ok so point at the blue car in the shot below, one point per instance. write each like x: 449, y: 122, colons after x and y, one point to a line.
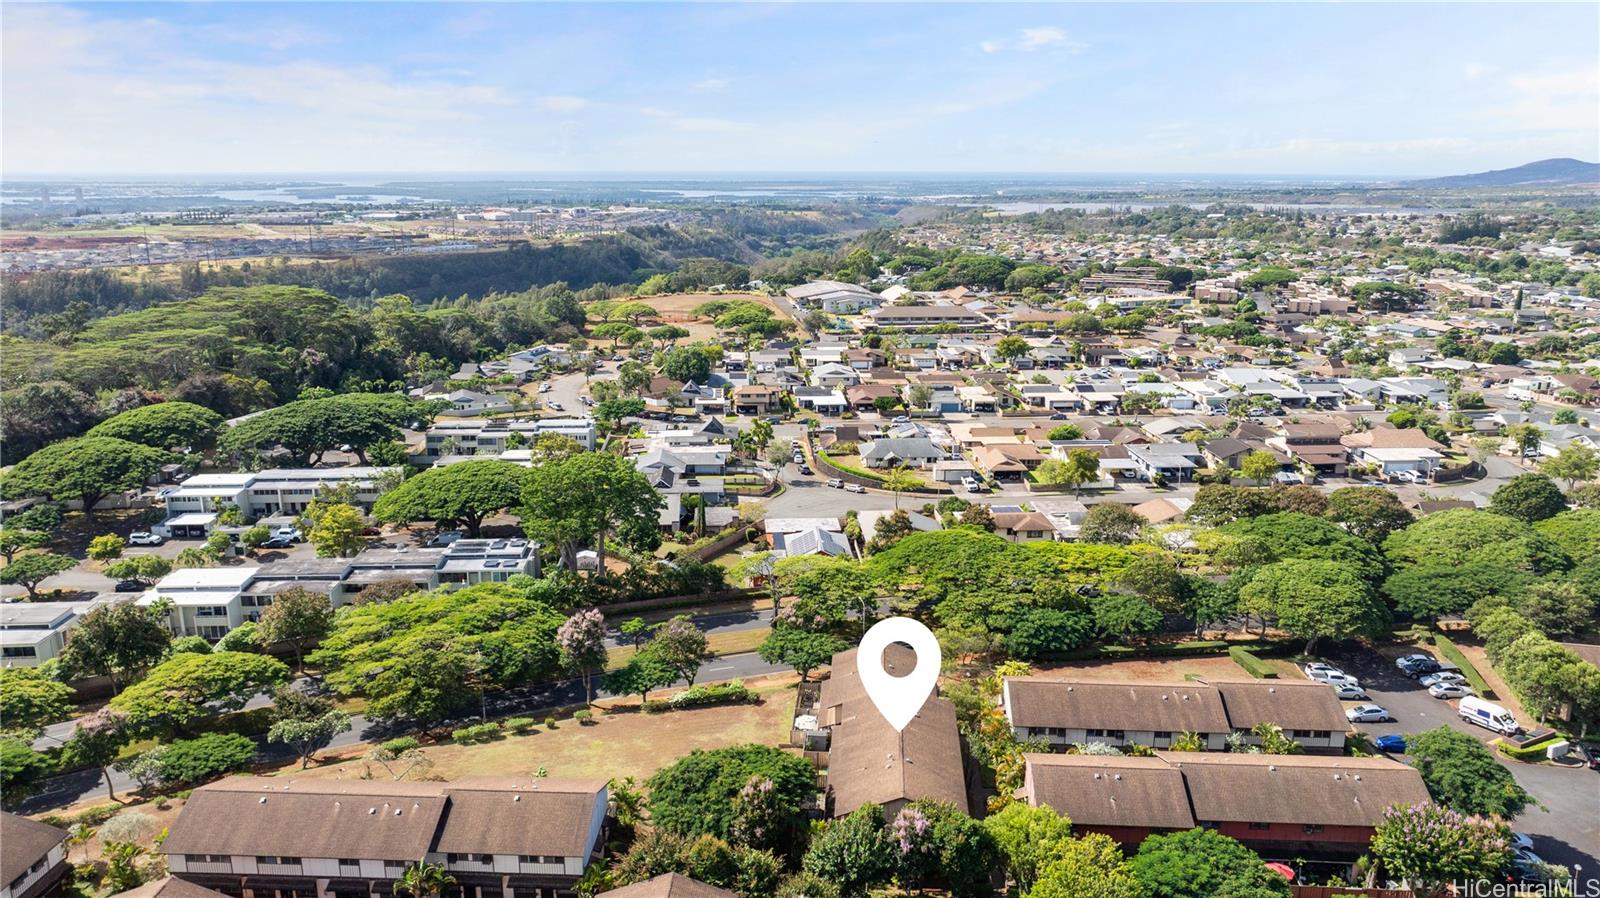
x: 1393, y: 744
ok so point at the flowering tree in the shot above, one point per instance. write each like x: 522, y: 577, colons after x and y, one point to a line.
x: 582, y: 641
x: 910, y: 836
x: 758, y: 818
x: 1431, y: 847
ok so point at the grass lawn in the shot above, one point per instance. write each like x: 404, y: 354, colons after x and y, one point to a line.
x: 621, y: 743
x: 1155, y: 670
x: 736, y: 642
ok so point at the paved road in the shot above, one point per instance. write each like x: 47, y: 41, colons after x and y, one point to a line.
x: 1566, y: 830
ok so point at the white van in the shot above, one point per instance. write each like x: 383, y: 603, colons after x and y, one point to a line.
x: 1487, y: 715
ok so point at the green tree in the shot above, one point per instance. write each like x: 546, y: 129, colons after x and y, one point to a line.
x: 583, y: 500
x: 1091, y: 867
x: 309, y: 428
x: 1010, y: 348
x: 144, y: 568
x: 22, y: 770
x: 1040, y: 632
x: 1463, y: 775
x: 1029, y: 838
x: 31, y: 701
x: 336, y: 531
x: 1118, y: 615
x: 106, y: 547
x: 164, y: 425
x: 307, y: 736
x: 29, y: 571
x: 854, y: 852
x: 1432, y: 848
x: 1065, y: 432
x: 1112, y: 523
x: 462, y: 494
x: 687, y: 363
x: 1575, y: 464
x: 298, y: 617
x: 1528, y: 497
x: 641, y: 674
x: 1464, y: 536
x: 1315, y: 600
x: 191, y: 762
x: 116, y: 640
x: 695, y: 795
x: 86, y: 469
x: 424, y: 880
x: 186, y: 687
x: 1201, y: 863
x: 1259, y: 466
x: 1370, y: 512
x: 802, y: 650
x: 900, y: 480
x: 14, y: 541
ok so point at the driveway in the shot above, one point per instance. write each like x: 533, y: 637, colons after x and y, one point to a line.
x: 1565, y: 830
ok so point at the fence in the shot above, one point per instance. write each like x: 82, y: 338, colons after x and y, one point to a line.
x: 1347, y: 892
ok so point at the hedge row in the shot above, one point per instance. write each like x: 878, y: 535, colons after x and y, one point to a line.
x: 1252, y: 665
x: 1455, y: 656
x: 731, y: 693
x: 1197, y: 648
x: 1534, y: 752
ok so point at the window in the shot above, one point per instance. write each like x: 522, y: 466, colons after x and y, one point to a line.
x: 1164, y: 734
x: 211, y: 611
x: 349, y: 862
x: 1312, y: 828
x: 1094, y: 733
x: 1303, y: 734
x: 542, y: 859
x: 19, y: 651
x: 1115, y: 734
x: 1258, y: 825
x: 281, y: 860
x: 208, y: 858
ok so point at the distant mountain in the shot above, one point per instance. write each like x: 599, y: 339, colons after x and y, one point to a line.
x: 1545, y: 172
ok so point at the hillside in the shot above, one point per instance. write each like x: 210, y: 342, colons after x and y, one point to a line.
x: 1545, y: 172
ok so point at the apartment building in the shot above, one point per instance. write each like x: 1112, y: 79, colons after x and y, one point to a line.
x: 1064, y: 712
x: 33, y: 858
x: 926, y: 316
x: 193, y: 507
x: 32, y: 633
x: 499, y: 837
x: 1281, y: 806
x: 208, y: 602
x: 495, y: 437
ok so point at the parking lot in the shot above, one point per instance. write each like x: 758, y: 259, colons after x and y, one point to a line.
x: 1565, y: 819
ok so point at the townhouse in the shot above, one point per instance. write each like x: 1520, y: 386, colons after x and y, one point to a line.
x: 925, y: 316
x: 208, y: 602
x: 495, y: 437
x: 499, y: 837
x: 33, y: 858
x: 869, y: 761
x: 1065, y: 712
x: 193, y: 507
x: 1284, y: 807
x: 32, y: 633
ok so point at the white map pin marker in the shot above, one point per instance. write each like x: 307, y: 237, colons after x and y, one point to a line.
x: 898, y: 698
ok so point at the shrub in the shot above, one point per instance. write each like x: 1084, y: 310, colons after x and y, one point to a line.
x: 734, y: 692
x: 1454, y: 655
x: 550, y: 723
x: 195, y: 761
x: 400, y: 744
x: 478, y: 732
x: 519, y: 725
x: 1533, y: 752
x: 584, y: 717
x: 1252, y: 665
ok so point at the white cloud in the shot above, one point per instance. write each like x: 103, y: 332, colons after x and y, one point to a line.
x: 1030, y: 40
x: 563, y: 104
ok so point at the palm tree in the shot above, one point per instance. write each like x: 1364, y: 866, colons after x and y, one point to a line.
x: 423, y: 880
x: 898, y: 481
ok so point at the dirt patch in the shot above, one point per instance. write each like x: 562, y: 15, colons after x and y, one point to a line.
x: 1502, y: 692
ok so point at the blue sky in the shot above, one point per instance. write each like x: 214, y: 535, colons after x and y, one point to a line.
x: 1345, y: 89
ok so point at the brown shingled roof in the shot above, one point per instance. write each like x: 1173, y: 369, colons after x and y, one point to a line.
x: 1329, y: 791
x: 518, y: 816
x: 1094, y: 790
x: 869, y: 762
x: 1291, y: 705
x: 23, y: 842
x: 1154, y: 707
x: 169, y: 888
x: 670, y: 885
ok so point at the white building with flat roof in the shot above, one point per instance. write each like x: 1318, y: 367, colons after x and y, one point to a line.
x: 32, y: 633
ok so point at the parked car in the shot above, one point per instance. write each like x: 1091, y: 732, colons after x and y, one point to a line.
x: 1521, y: 841
x: 1392, y: 743
x: 1421, y: 667
x: 805, y: 469
x: 1415, y: 658
x: 556, y: 406
x: 900, y: 419
x: 1334, y: 677
x: 444, y: 538
x: 544, y: 387
x: 836, y: 483
x: 1443, y: 676
x: 145, y: 538
x: 1312, y: 667
x: 1367, y: 714
x: 278, y: 542
x: 854, y: 488
x: 130, y: 586
x: 292, y: 534
x: 1449, y: 690
x: 1348, y: 693
x: 972, y: 485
